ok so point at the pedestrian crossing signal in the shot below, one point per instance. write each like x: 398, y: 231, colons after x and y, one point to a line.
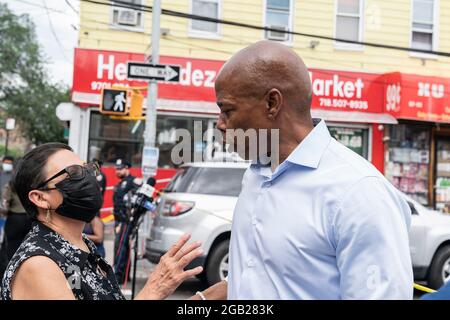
x: 115, y: 102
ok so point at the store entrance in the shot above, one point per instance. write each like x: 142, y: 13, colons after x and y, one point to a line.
x: 442, y: 175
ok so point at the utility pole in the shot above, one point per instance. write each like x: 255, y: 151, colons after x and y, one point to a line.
x: 152, y: 93
x: 6, y: 142
x: 150, y: 129
x: 10, y: 124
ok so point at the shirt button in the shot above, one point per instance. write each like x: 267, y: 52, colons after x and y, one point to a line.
x: 250, y: 263
x: 254, y: 221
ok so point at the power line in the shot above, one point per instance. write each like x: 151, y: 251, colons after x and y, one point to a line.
x: 172, y: 39
x: 42, y: 7
x: 71, y: 6
x: 173, y: 13
x: 54, y: 33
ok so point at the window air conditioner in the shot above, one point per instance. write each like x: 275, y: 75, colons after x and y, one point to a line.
x: 278, y: 35
x: 127, y: 17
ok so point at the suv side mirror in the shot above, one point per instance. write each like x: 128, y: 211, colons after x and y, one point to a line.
x: 413, y: 209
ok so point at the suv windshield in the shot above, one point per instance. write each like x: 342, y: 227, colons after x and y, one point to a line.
x: 216, y: 181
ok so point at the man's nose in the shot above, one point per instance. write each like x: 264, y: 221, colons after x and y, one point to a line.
x: 221, y: 124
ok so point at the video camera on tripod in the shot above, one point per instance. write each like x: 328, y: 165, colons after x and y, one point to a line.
x: 137, y: 202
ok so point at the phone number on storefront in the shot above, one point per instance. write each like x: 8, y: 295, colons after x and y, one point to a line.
x: 343, y: 103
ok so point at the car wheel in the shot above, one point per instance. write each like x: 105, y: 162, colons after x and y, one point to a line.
x: 217, y: 267
x: 440, y: 268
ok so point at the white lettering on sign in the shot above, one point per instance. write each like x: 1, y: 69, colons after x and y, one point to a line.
x: 338, y: 88
x: 102, y: 66
x: 197, y: 77
x: 121, y: 71
x: 430, y: 90
x: 393, y: 97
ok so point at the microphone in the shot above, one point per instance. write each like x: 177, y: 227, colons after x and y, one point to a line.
x: 147, y: 189
x: 143, y: 198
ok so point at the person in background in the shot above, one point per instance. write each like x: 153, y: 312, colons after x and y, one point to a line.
x: 121, y: 247
x: 101, y: 177
x: 94, y: 231
x: 17, y: 224
x: 6, y: 171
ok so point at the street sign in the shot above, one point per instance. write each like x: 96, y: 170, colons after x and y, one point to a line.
x: 114, y: 102
x: 150, y: 158
x: 158, y: 72
x: 10, y: 123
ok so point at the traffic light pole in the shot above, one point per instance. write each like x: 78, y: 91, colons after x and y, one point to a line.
x: 150, y: 118
x: 152, y: 93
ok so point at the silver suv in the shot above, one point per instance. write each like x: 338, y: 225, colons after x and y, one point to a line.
x: 200, y: 200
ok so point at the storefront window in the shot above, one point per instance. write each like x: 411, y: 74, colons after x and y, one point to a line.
x: 443, y: 175
x: 356, y: 139
x: 407, y: 160
x: 111, y: 139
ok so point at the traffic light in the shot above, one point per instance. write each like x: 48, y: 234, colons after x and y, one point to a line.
x: 136, y: 104
x: 115, y: 102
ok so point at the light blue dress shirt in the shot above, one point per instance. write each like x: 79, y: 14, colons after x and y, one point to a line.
x: 325, y: 224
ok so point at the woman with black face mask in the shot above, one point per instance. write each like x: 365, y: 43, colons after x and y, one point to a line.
x: 56, y: 261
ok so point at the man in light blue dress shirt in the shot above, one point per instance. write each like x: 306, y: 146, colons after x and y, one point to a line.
x: 324, y: 223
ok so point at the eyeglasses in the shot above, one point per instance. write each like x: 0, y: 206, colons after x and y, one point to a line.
x: 74, y: 172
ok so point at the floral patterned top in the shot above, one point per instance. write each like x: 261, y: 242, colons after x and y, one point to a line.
x: 81, y: 269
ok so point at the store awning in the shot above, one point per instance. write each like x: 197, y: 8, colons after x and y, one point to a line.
x: 353, y: 116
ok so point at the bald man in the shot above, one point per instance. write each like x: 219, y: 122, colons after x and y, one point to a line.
x: 322, y: 224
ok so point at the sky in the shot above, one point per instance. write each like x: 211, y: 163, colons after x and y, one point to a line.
x: 56, y: 32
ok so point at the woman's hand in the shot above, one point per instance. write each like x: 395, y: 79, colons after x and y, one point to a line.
x: 169, y: 273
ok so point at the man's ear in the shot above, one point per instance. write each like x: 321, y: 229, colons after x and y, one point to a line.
x: 39, y: 199
x: 274, y: 102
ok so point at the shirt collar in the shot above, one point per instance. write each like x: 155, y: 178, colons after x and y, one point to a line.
x: 309, y: 152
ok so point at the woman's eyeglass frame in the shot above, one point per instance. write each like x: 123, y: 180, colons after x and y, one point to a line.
x: 81, y: 170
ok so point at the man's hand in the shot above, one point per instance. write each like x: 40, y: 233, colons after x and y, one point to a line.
x: 170, y: 273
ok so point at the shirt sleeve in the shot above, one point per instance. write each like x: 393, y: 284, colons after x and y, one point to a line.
x: 370, y: 229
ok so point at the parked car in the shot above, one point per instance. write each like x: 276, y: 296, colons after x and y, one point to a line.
x: 429, y: 244
x: 201, y: 198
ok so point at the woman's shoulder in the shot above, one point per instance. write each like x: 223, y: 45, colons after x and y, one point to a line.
x: 33, y: 246
x: 38, y: 277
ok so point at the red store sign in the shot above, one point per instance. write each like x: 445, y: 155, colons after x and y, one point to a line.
x: 401, y: 95
x: 417, y: 97
x: 96, y: 69
x: 347, y: 91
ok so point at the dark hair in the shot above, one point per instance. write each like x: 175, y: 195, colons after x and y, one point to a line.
x: 8, y: 158
x: 99, y: 162
x: 30, y: 172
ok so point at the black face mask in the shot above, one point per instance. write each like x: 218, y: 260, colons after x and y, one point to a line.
x: 82, y: 199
